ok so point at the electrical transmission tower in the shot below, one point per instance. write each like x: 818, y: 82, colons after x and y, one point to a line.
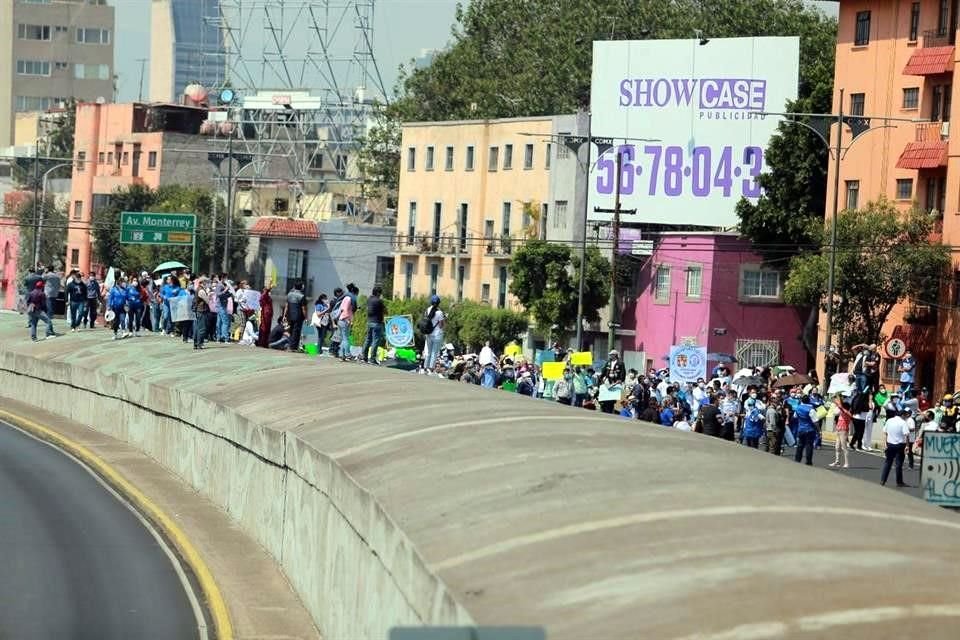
x: 305, y: 80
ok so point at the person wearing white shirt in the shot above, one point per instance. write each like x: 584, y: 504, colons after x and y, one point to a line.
x: 896, y: 433
x: 487, y: 356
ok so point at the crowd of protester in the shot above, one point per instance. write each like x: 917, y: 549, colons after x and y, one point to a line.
x: 762, y: 408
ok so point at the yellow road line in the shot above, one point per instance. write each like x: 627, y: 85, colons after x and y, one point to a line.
x: 211, y: 592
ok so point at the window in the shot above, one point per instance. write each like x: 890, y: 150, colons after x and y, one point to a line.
x: 461, y: 274
x: 528, y: 156
x: 434, y: 275
x: 464, y: 214
x: 448, y: 160
x: 563, y: 150
x: 904, y: 188
x: 296, y: 266
x: 78, y: 209
x: 943, y: 17
x: 126, y: 158
x: 412, y: 223
x: 33, y: 67
x: 485, y: 292
x: 280, y: 205
x: 408, y: 280
x: 936, y: 199
x: 856, y: 103
x: 560, y: 214
x: 110, y: 157
x: 469, y: 162
x: 93, y: 36
x: 74, y: 258
x: 911, y: 98
x: 151, y: 160
x: 888, y: 370
x: 60, y: 66
x: 661, y: 285
x: 940, y: 103
x: 341, y: 165
x: 428, y: 162
x: 412, y: 159
x: 853, y: 194
x: 91, y: 71
x: 759, y: 283
x: 547, y: 155
x: 862, y: 35
x: 956, y: 288
x: 36, y: 103
x: 694, y: 281
x: 437, y: 214
x: 505, y: 219
x: 33, y: 32
x: 101, y: 157
x: 914, y: 21
x: 81, y: 161
x: 502, y: 288
x: 507, y: 157
x: 544, y: 210
x: 494, y: 159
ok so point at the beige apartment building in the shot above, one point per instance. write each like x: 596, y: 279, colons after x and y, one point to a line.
x: 55, y: 50
x: 471, y: 192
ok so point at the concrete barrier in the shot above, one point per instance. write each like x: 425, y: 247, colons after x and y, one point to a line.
x: 392, y: 499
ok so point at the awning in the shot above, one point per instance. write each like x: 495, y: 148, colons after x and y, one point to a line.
x: 929, y: 61
x: 923, y: 155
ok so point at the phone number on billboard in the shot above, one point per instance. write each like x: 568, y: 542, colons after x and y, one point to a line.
x: 670, y: 171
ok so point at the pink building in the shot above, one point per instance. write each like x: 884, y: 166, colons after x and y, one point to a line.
x: 120, y: 145
x: 712, y: 289
x: 9, y: 248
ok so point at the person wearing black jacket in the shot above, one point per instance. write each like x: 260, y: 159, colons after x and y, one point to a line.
x: 375, y: 313
x: 77, y: 297
x: 709, y: 420
x: 614, y: 372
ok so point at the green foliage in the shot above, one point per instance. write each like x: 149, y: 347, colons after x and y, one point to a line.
x: 883, y: 257
x: 62, y: 137
x: 546, y: 282
x: 53, y: 235
x: 468, y: 323
x: 533, y: 57
x: 378, y: 160
x: 169, y: 199
x: 795, y: 186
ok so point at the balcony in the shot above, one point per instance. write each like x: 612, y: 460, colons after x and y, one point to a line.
x: 499, y: 246
x: 929, y: 148
x: 405, y: 243
x: 935, y: 57
x: 919, y: 314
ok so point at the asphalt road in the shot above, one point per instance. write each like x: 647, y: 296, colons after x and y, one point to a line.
x: 865, y: 466
x: 75, y: 562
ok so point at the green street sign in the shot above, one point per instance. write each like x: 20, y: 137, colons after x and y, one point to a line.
x: 141, y: 227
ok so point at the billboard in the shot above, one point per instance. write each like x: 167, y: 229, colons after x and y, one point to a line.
x: 684, y: 119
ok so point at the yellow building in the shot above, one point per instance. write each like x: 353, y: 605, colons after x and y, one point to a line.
x: 470, y: 193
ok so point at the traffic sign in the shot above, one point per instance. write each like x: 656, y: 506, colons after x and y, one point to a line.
x: 895, y: 348
x: 141, y: 227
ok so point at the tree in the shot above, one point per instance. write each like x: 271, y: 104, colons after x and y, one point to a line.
x: 378, y: 159
x: 170, y: 199
x: 546, y: 282
x: 61, y: 139
x: 884, y: 256
x: 533, y: 57
x: 53, y: 235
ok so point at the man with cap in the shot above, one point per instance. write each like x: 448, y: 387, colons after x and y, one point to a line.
x: 613, y: 371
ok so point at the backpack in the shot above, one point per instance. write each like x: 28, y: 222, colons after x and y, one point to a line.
x: 335, y: 312
x: 425, y: 324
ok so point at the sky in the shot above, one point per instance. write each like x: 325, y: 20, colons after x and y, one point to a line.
x: 402, y: 29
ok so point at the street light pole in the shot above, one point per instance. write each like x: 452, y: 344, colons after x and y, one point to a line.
x: 583, y: 240
x: 831, y: 278
x: 859, y: 125
x: 36, y: 204
x: 228, y: 218
x: 43, y: 204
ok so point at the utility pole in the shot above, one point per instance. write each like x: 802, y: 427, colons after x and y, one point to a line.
x: 142, y: 62
x: 616, y: 211
x: 227, y: 218
x: 456, y: 254
x: 36, y: 204
x: 213, y: 232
